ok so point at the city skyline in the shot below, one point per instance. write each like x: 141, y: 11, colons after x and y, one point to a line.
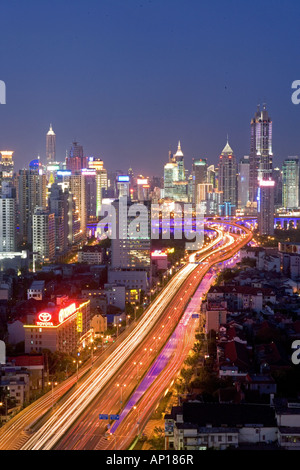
x: 163, y: 75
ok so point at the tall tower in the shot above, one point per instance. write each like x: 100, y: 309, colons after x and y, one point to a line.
x: 228, y: 176
x: 261, y: 153
x: 50, y: 145
x: 31, y: 193
x: 199, y: 174
x: 290, y: 183
x: 243, y: 182
x: 101, y: 180
x: 8, y: 217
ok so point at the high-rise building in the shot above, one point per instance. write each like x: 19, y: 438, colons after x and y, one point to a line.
x: 7, y: 217
x: 130, y: 247
x: 261, y: 153
x: 199, y: 174
x: 170, y: 176
x: 290, y: 183
x: 265, y: 207
x: 243, y: 182
x: 32, y: 193
x: 6, y: 165
x: 61, y: 205
x: 101, y: 180
x: 211, y: 175
x: 90, y: 194
x: 175, y: 182
x: 123, y: 186
x: 228, y: 176
x: 77, y: 189
x: 76, y: 161
x: 277, y: 178
x: 43, y: 235
x: 50, y: 145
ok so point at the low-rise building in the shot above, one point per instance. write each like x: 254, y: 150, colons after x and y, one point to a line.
x: 15, y: 381
x: 196, y: 426
x: 36, y: 290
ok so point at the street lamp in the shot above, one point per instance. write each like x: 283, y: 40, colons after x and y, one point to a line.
x: 121, y: 390
x: 137, y: 364
x: 77, y: 362
x: 53, y: 384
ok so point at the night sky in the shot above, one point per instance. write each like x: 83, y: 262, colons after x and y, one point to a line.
x: 128, y: 78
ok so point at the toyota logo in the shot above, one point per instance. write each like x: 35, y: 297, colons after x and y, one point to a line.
x: 45, y: 316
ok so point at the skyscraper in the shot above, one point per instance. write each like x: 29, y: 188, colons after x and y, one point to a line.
x: 199, y: 174
x: 101, y: 180
x: 260, y: 150
x: 277, y: 177
x: 243, y: 182
x: 50, y: 145
x: 290, y: 183
x: 7, y: 217
x: 175, y: 182
x: 228, y: 176
x: 43, y: 235
x: 265, y: 207
x: 76, y: 161
x: 6, y: 164
x: 32, y: 193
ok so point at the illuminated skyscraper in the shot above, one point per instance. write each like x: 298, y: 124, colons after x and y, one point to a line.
x: 175, y: 182
x: 199, y: 174
x: 76, y: 161
x: 101, y: 180
x: 32, y: 193
x: 50, y: 145
x: 265, y: 207
x: 6, y: 164
x: 7, y: 217
x: 228, y: 176
x: 290, y: 183
x: 261, y: 153
x: 243, y: 182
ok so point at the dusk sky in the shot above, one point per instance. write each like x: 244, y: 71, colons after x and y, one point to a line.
x: 128, y: 78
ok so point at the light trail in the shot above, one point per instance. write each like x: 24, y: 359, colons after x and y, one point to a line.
x: 64, y: 417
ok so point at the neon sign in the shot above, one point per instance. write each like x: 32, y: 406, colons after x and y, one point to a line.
x: 45, y: 316
x: 66, y: 312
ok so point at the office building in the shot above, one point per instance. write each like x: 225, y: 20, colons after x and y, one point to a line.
x: 6, y: 165
x: 199, y: 176
x: 43, y: 235
x: 32, y: 193
x: 76, y: 160
x: 228, y: 176
x: 290, y: 183
x: 277, y: 178
x: 50, y: 145
x: 261, y: 153
x: 7, y: 217
x: 62, y: 327
x: 101, y: 180
x: 243, y: 182
x: 265, y: 207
